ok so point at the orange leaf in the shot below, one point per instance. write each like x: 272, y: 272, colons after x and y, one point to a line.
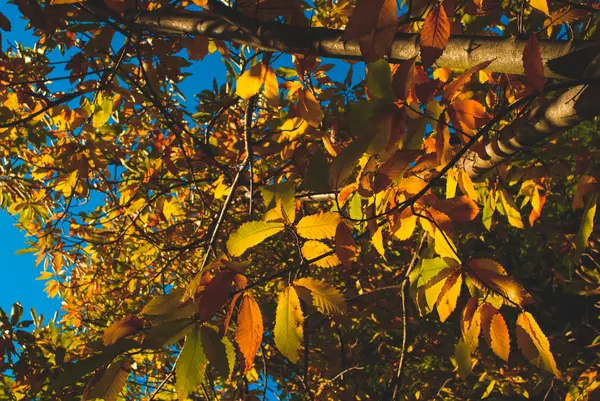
x: 124, y: 327
x: 460, y: 208
x: 456, y: 85
x: 533, y: 64
x: 448, y: 297
x: 249, y: 333
x: 467, y: 113
x: 229, y: 313
x: 498, y: 334
x: 489, y: 275
x: 434, y: 36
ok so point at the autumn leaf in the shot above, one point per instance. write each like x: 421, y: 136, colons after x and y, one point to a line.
x: 379, y: 78
x: 219, y: 351
x: 499, y: 341
x: 345, y: 246
x: 444, y: 245
x: 533, y: 64
x: 112, y: 382
x: 510, y: 208
x: 164, y: 304
x: 434, y: 35
x: 249, y: 83
x: 374, y: 24
x: 489, y: 275
x: 534, y: 345
x: 315, y: 249
x: 318, y: 226
x: 471, y: 323
x: 587, y: 225
x: 464, y: 362
x: 448, y: 297
x: 126, y: 326
x: 309, y: 107
x: 541, y: 5
x: 271, y: 88
x: 402, y: 82
x: 460, y: 209
x: 251, y: 234
x: 190, y: 365
x: 215, y: 295
x: 249, y: 332
x: 289, y: 322
x: 455, y: 86
x: 325, y: 299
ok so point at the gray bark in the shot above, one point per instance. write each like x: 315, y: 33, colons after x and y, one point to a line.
x: 572, y: 107
x: 562, y: 59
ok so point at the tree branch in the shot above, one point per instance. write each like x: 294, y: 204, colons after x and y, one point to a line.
x: 562, y: 59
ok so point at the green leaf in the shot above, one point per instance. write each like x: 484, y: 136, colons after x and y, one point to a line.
x: 379, y: 79
x: 587, y: 225
x: 462, y: 356
x: 112, y: 382
x: 251, y: 234
x: 288, y: 324
x: 164, y: 304
x: 167, y: 333
x: 191, y: 364
x: 219, y: 351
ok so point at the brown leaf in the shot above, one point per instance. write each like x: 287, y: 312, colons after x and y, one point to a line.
x: 249, y: 333
x: 443, y: 148
x: 374, y: 24
x: 489, y: 275
x: 345, y: 246
x: 197, y: 47
x: 215, y: 295
x: 403, y: 78
x: 396, y: 165
x: 533, y: 64
x: 124, y: 327
x: 4, y: 23
x: 434, y: 36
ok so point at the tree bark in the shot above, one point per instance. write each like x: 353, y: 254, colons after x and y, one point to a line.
x: 572, y: 107
x: 562, y: 59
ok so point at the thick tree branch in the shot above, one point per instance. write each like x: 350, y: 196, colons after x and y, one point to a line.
x: 562, y: 59
x: 572, y: 107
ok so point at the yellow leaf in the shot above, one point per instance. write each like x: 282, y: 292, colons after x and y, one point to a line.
x: 407, y: 227
x: 499, y: 339
x: 587, y: 225
x: 444, y: 245
x: 471, y: 324
x: 310, y: 109
x: 377, y: 241
x: 541, y: 5
x: 512, y: 213
x: 534, y: 345
x: 102, y: 110
x: 448, y: 297
x: 249, y: 332
x: 251, y: 234
x: 314, y: 249
x: 318, y: 226
x: 466, y: 185
x: 325, y: 299
x: 249, y: 83
x: 288, y: 324
x: 271, y: 88
x: 164, y: 304
x: 292, y: 128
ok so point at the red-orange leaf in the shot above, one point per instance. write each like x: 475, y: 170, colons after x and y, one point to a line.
x: 533, y: 64
x: 248, y: 335
x: 434, y: 35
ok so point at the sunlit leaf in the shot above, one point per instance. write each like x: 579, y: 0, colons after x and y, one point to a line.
x: 318, y: 226
x: 112, y: 382
x: 289, y: 321
x: 249, y: 332
x: 191, y: 364
x: 315, y: 249
x: 325, y: 299
x: 251, y: 234
x: 534, y: 345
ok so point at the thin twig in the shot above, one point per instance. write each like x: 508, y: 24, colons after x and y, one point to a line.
x: 396, y: 381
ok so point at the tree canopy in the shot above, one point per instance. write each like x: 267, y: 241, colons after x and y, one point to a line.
x: 382, y: 200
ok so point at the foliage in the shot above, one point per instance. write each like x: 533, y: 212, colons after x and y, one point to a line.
x: 291, y: 230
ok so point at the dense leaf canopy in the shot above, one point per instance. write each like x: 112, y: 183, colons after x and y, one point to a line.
x: 381, y: 200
